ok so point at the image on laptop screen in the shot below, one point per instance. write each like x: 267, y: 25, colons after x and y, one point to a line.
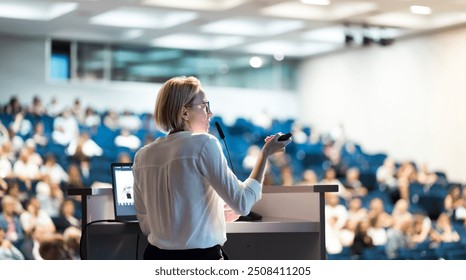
x: 122, y: 188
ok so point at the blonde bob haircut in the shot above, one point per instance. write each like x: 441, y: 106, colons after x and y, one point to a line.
x: 175, y: 94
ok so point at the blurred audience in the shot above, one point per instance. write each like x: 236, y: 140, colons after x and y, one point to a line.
x: 375, y: 205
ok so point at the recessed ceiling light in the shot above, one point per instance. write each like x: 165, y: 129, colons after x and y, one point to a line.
x: 206, y: 5
x: 197, y: 42
x: 316, y: 2
x: 35, y: 10
x: 252, y: 26
x: 142, y: 18
x: 421, y: 10
x: 255, y: 62
x: 279, y: 56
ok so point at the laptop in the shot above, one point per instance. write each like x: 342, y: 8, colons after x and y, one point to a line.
x: 122, y: 189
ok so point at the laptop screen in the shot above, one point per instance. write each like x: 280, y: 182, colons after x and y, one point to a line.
x: 122, y: 187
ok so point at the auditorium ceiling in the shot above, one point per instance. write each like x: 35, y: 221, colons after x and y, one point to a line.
x: 290, y: 28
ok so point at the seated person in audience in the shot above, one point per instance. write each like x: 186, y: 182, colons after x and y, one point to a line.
x: 335, y: 220
x: 287, y: 178
x: 39, y: 136
x: 3, y: 187
x: 112, y: 120
x: 50, y: 196
x: 21, y: 126
x: 348, y: 232
x: 148, y: 123
x: 36, y: 109
x: 72, y: 236
x: 53, y: 247
x: 31, y: 246
x: 425, y: 176
x: 333, y: 209
x: 14, y: 145
x: 401, y: 191
x: 130, y: 121
x: 53, y: 107
x: 25, y: 169
x: 400, y: 211
x: 356, y: 212
x: 362, y: 240
x: 422, y: 226
x: 443, y: 231
x: 399, y: 237
x: 407, y: 170
x: 4, y: 134
x: 251, y: 156
x: 13, y: 107
x: 77, y: 110
x: 8, y: 151
x: 460, y: 211
x: 17, y: 196
x: 386, y: 175
x: 57, y: 174
x: 30, y: 145
x: 65, y: 128
x: 10, y: 221
x: 83, y: 148
x: 91, y: 118
x: 35, y: 217
x: 66, y: 218
x: 330, y: 178
x: 377, y: 232
x: 453, y: 200
x: 352, y: 183
x: 75, y: 179
x: 376, y: 210
x: 277, y: 163
x: 333, y: 243
x: 7, y: 250
x: 309, y: 178
x: 127, y: 140
x: 6, y: 168
x: 124, y: 158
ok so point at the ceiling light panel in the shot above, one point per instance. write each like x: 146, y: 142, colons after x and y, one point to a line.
x: 316, y: 2
x: 339, y: 10
x: 420, y: 10
x: 196, y: 42
x: 206, y: 5
x: 252, y: 26
x: 142, y: 18
x: 35, y: 10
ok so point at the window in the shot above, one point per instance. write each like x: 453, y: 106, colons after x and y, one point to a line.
x: 99, y: 62
x: 60, y: 61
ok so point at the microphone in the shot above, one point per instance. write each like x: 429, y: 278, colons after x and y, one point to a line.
x: 222, y: 136
x: 220, y: 131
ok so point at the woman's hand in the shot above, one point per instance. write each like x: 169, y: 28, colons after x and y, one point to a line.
x: 272, y: 145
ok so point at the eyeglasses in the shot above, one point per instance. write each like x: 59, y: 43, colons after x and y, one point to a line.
x: 205, y: 104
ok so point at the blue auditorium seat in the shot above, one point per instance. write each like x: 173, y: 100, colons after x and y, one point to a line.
x: 345, y: 254
x: 376, y: 253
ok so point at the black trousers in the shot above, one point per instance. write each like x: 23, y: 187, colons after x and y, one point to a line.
x: 213, y: 253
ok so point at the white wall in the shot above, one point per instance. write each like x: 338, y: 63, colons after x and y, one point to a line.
x: 22, y: 73
x: 406, y: 100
